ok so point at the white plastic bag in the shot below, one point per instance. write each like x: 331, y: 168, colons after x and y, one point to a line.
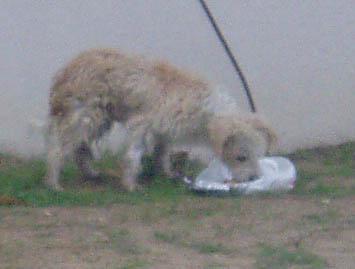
x: 277, y: 174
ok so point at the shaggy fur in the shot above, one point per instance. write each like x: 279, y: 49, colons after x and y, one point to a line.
x: 159, y: 105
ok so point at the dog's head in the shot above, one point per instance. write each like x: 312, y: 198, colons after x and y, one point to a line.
x: 240, y: 143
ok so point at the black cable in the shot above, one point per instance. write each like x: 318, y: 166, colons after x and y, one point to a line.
x: 230, y: 55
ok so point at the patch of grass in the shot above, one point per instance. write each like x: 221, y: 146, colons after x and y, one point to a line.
x: 279, y: 257
x: 182, y: 240
x: 149, y: 213
x: 8, y: 200
x: 325, y: 189
x: 196, y: 208
x: 311, y: 183
x: 344, y: 153
x: 210, y: 248
x: 322, y: 219
x: 22, y: 182
x: 122, y: 241
x: 135, y: 264
x: 316, y: 166
x: 11, y: 251
x: 215, y: 266
x: 165, y: 237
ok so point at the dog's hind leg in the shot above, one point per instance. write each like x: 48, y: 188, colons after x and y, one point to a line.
x: 83, y: 156
x: 70, y: 136
x: 91, y: 129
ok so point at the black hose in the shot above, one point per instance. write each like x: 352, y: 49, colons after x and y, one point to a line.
x: 230, y: 55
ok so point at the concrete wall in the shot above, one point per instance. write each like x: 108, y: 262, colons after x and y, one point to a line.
x: 298, y: 58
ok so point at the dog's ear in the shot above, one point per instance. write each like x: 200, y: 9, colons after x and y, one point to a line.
x: 268, y: 133
x: 218, y: 130
x: 236, y: 146
x: 228, y: 148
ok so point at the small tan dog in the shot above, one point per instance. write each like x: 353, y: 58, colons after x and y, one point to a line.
x: 159, y: 105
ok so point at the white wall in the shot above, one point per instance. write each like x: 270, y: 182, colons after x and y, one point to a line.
x: 298, y: 58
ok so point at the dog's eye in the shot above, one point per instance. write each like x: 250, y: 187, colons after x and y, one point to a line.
x: 241, y: 158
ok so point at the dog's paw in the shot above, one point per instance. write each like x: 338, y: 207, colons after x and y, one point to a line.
x: 54, y: 186
x: 95, y: 177
x: 129, y: 184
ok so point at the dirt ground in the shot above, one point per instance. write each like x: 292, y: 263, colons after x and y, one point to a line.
x: 195, y: 233
x: 166, y: 226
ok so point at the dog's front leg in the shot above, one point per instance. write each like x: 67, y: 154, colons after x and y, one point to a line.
x: 133, y: 164
x: 55, y: 160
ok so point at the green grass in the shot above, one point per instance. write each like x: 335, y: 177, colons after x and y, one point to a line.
x: 186, y: 240
x: 135, y: 264
x: 343, y: 153
x: 322, y: 220
x: 279, y: 257
x: 122, y: 241
x: 215, y: 266
x: 165, y: 237
x: 21, y: 181
x: 326, y: 171
x: 11, y: 251
x: 211, y: 248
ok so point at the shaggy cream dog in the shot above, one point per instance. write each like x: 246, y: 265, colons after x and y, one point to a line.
x: 160, y: 105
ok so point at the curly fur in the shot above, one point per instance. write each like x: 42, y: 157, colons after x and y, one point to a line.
x: 158, y: 104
